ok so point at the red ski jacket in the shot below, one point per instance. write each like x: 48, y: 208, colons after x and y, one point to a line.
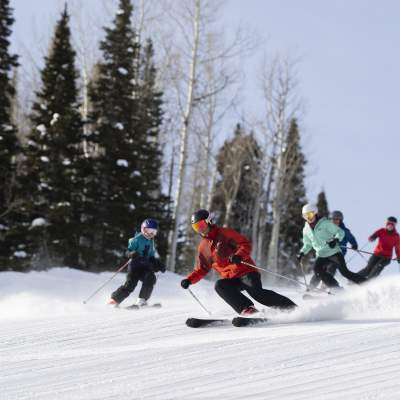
x: 214, y: 251
x: 387, y: 241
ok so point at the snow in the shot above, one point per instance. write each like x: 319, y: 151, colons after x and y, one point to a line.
x: 38, y: 222
x: 122, y: 71
x: 20, y: 254
x: 119, y: 126
x: 44, y: 159
x: 122, y: 163
x: 42, y: 129
x: 55, y: 347
x: 55, y: 118
x: 66, y: 162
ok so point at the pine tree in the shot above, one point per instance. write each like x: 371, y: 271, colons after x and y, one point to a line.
x: 295, y: 197
x: 147, y: 131
x: 9, y: 145
x: 118, y: 186
x: 322, y: 205
x: 238, y: 164
x: 54, y: 158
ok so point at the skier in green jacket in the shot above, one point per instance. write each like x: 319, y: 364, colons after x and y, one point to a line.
x: 324, y: 237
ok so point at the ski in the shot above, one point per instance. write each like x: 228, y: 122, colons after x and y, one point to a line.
x: 202, y: 322
x: 248, y: 321
x: 137, y: 307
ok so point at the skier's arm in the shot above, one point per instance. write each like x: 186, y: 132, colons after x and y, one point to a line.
x: 374, y: 236
x: 307, y: 245
x: 352, y: 240
x: 200, y: 270
x: 338, y: 233
x: 397, y: 249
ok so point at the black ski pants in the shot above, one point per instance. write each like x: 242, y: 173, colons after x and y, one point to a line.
x: 374, y: 267
x: 135, y: 275
x: 316, y: 279
x: 320, y: 269
x: 230, y: 290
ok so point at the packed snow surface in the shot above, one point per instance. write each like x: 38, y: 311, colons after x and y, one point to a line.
x: 54, y: 347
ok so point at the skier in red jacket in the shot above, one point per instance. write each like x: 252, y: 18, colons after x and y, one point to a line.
x: 224, y: 250
x: 389, y: 239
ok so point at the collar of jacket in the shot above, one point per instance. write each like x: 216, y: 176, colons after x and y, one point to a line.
x: 315, y: 223
x: 213, y: 232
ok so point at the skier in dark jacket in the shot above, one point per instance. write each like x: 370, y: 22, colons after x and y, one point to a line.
x: 337, y: 218
x: 388, y: 239
x: 224, y: 249
x: 142, y: 265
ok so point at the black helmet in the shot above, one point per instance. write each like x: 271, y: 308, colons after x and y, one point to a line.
x: 392, y: 219
x: 200, y: 215
x: 337, y: 215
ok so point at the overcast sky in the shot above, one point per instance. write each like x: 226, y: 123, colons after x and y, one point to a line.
x: 349, y: 78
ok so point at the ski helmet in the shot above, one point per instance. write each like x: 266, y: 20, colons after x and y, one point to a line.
x: 149, y: 228
x: 392, y: 219
x: 309, y: 212
x: 337, y: 215
x: 200, y: 221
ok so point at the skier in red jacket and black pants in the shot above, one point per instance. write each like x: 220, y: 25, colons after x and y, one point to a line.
x: 389, y: 239
x: 224, y: 250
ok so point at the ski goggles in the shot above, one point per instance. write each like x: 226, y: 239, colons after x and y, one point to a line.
x: 200, y: 226
x: 391, y: 223
x: 150, y: 232
x: 308, y: 216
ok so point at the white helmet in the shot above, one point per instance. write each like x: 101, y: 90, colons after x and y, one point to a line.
x: 309, y: 208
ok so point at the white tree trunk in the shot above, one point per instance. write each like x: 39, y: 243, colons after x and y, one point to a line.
x: 184, y: 135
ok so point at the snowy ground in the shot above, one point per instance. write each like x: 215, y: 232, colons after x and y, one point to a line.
x: 54, y: 347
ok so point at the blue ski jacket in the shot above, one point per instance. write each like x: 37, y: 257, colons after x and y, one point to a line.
x: 348, y: 238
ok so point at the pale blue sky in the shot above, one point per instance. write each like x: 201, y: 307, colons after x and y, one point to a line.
x: 349, y: 78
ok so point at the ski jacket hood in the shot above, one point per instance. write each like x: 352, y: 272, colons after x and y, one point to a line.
x: 214, y: 251
x: 317, y: 238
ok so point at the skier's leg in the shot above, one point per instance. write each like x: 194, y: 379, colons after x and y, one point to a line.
x: 149, y: 280
x: 378, y: 268
x: 372, y: 262
x: 229, y: 290
x: 314, y: 282
x: 320, y: 270
x: 331, y: 268
x: 251, y: 282
x: 338, y: 258
x: 128, y: 287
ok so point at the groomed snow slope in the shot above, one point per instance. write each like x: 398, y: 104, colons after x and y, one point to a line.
x: 54, y: 347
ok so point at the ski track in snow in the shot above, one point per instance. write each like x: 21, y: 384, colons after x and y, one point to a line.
x: 54, y: 347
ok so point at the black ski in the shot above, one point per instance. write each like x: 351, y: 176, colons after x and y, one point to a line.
x: 201, y: 322
x: 248, y: 321
x: 137, y: 307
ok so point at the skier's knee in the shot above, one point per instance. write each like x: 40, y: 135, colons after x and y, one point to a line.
x: 220, y: 285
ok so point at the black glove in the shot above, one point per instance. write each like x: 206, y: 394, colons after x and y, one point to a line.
x: 235, y: 259
x: 299, y: 256
x: 354, y: 246
x: 398, y: 260
x: 332, y: 243
x: 185, y: 283
x: 157, y: 265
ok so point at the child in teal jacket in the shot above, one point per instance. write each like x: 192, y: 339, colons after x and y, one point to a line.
x: 142, y: 265
x: 324, y: 237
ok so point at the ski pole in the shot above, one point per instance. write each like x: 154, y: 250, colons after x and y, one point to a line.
x: 199, y: 302
x: 304, y: 276
x: 105, y: 283
x: 285, y: 277
x: 366, y: 252
x: 362, y: 247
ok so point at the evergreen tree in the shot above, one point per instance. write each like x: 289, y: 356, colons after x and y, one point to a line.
x: 118, y: 186
x: 9, y: 145
x: 238, y: 164
x: 322, y: 205
x: 292, y: 221
x: 54, y: 158
x: 147, y: 131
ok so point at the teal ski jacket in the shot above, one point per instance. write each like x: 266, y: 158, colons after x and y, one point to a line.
x: 317, y: 238
x: 142, y: 246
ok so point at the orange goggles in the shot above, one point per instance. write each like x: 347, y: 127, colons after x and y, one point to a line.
x: 309, y: 215
x: 200, y: 226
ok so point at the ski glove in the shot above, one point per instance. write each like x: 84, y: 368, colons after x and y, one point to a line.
x: 299, y: 256
x: 235, y: 259
x: 332, y: 243
x: 354, y: 247
x: 157, y: 265
x: 398, y: 260
x: 185, y: 283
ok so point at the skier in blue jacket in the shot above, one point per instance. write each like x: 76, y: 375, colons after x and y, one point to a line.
x: 142, y: 265
x: 337, y: 218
